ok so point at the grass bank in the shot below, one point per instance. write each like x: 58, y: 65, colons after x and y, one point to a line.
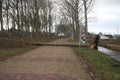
x: 7, y: 53
x: 113, y: 44
x: 10, y: 48
x: 102, y: 65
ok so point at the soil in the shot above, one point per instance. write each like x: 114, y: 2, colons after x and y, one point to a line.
x: 112, y: 46
x: 8, y: 43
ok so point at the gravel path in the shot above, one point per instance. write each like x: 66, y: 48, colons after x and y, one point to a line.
x: 45, y: 63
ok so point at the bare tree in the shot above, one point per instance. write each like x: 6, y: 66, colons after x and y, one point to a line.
x: 72, y: 10
x: 50, y: 18
x: 26, y: 16
x: 64, y: 28
x: 87, y: 7
x: 6, y: 9
x: 76, y: 11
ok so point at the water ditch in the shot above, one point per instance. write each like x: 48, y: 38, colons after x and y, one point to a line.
x: 113, y: 54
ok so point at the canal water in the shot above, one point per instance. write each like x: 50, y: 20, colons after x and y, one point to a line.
x: 114, y: 54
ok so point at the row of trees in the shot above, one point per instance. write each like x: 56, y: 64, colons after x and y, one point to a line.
x: 31, y: 16
x: 76, y: 11
x: 36, y: 16
x: 64, y: 28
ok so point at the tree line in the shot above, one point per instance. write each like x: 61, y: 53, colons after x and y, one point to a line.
x: 30, y: 16
x: 35, y: 17
x: 76, y: 12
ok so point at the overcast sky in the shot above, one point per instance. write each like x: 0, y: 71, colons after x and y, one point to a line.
x: 107, y: 13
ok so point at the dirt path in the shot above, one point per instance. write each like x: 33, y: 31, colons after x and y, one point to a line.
x: 45, y: 63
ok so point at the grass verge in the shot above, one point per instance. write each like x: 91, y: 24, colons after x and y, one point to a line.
x: 102, y: 65
x: 7, y: 53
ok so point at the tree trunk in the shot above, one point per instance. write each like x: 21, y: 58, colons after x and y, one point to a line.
x: 86, y: 21
x: 1, y: 18
x: 18, y: 19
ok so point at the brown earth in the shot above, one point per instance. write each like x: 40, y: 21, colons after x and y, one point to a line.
x: 112, y: 46
x: 8, y: 43
x: 45, y: 63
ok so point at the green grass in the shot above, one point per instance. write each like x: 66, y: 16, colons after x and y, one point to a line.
x: 72, y: 41
x: 4, y: 54
x: 102, y: 65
